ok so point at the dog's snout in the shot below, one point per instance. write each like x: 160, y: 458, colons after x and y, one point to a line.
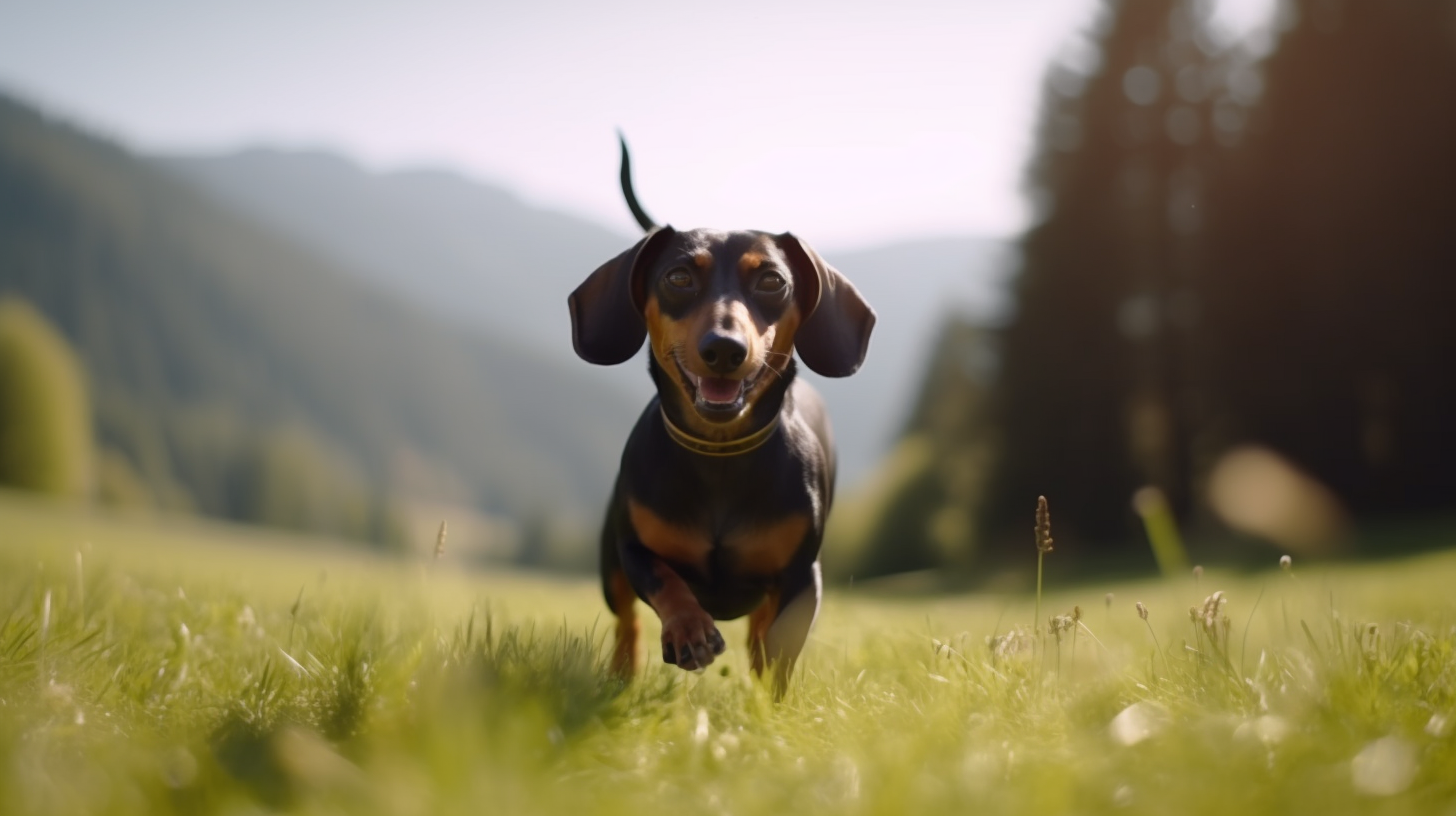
x: 723, y: 353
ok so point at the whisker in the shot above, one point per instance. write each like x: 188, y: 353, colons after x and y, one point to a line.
x: 777, y: 371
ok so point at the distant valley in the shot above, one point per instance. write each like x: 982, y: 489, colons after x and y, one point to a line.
x: 238, y: 372
x: 482, y: 257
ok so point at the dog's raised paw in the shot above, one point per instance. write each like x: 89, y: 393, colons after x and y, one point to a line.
x: 691, y: 641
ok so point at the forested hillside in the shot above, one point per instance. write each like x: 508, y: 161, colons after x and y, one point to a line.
x: 238, y: 374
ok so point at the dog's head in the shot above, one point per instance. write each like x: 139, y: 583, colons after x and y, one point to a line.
x: 725, y: 311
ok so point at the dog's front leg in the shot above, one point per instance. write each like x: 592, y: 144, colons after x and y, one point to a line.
x: 690, y: 638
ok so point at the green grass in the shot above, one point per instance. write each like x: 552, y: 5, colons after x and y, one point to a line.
x: 189, y: 668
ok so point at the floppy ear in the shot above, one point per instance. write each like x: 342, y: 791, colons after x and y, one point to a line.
x: 835, y: 333
x: 606, y: 309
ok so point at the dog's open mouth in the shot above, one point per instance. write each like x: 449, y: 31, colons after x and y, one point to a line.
x: 719, y: 390
x: 719, y: 398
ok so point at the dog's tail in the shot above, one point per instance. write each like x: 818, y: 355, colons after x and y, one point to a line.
x: 640, y: 214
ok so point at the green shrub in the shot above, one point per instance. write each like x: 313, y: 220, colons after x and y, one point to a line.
x: 45, y: 414
x: 119, y: 485
x: 295, y: 479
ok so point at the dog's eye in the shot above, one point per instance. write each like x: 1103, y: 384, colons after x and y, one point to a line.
x: 771, y: 282
x: 679, y: 279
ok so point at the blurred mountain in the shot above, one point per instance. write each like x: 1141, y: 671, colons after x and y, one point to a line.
x: 479, y: 254
x: 229, y: 362
x: 471, y: 251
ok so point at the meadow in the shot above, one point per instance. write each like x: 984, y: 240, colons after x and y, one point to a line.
x: 159, y: 666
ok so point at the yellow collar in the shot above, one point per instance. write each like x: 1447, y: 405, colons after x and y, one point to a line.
x: 732, y: 447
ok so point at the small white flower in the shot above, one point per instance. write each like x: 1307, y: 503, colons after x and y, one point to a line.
x: 1136, y: 723
x: 1384, y: 767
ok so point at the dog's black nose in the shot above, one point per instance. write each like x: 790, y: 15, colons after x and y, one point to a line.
x: 723, y: 353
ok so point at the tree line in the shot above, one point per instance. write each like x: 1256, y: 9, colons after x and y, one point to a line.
x: 1231, y: 249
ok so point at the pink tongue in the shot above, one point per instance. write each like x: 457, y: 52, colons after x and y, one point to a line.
x: 719, y: 389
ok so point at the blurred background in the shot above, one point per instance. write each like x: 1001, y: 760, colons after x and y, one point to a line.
x: 306, y: 267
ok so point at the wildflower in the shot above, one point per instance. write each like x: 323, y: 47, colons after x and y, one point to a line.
x: 1286, y: 563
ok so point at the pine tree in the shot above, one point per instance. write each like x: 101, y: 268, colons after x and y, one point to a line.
x: 931, y: 486
x: 1336, y: 286
x: 1100, y: 392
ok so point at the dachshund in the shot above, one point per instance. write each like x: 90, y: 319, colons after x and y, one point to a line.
x: 727, y: 478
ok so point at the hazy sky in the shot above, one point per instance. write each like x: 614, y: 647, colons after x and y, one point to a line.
x: 849, y: 122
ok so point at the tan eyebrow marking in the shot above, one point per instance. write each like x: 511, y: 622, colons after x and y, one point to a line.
x: 703, y: 260
x: 750, y: 261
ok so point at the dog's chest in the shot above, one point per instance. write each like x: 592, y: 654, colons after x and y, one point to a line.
x: 747, y: 541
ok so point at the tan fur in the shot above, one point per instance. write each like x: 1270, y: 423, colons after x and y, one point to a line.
x: 624, y: 606
x: 766, y: 550
x: 758, y: 623
x: 668, y: 540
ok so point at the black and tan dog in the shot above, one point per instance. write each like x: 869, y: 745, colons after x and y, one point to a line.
x: 728, y: 476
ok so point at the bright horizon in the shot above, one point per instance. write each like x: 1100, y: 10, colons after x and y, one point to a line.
x: 849, y: 125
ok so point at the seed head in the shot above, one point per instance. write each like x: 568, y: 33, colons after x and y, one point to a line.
x: 1211, y: 616
x: 440, y: 542
x: 1108, y: 600
x: 1059, y: 624
x: 1142, y: 610
x: 1011, y: 643
x: 1076, y: 614
x: 1043, y: 526
x: 1286, y: 563
x: 1198, y: 573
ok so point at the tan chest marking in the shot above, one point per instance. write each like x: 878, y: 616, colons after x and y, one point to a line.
x: 670, y: 541
x: 767, y: 549
x: 762, y: 550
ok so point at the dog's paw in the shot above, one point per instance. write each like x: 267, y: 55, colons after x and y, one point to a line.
x: 691, y: 641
